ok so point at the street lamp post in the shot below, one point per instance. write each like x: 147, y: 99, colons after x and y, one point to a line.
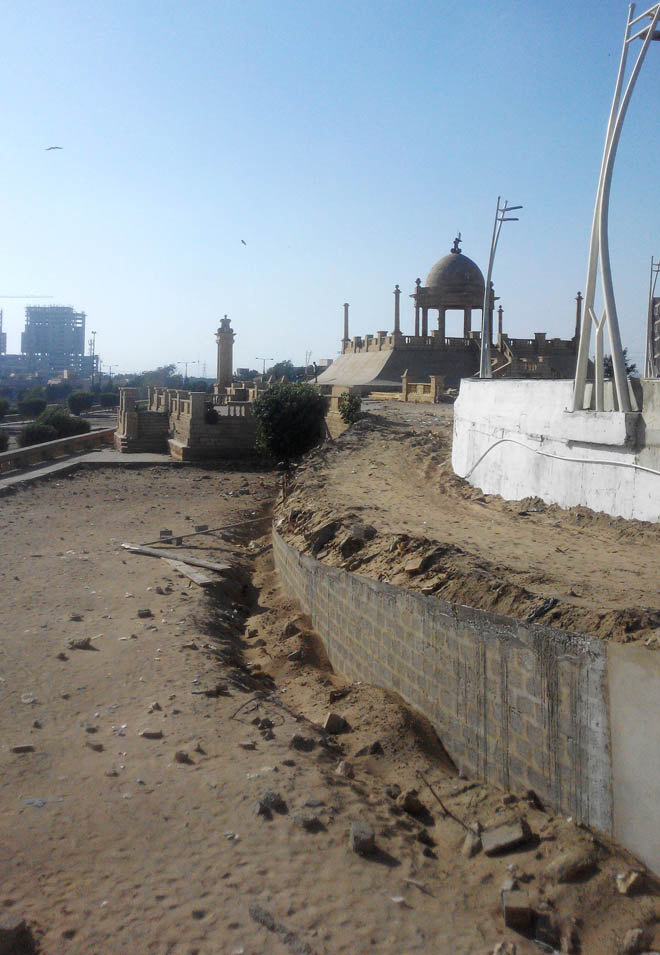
x: 264, y: 360
x: 485, y: 368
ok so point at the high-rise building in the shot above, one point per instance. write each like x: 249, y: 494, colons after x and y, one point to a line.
x: 56, y: 333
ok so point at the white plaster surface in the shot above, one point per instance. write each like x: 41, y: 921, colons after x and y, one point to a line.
x: 634, y: 688
x: 518, y: 439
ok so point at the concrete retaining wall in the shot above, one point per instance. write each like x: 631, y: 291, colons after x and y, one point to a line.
x: 520, y: 706
x: 572, y: 717
x: 517, y: 438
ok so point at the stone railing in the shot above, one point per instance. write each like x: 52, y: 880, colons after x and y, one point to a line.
x: 422, y: 391
x: 62, y: 447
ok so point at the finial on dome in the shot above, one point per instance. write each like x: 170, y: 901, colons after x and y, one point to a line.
x: 457, y: 244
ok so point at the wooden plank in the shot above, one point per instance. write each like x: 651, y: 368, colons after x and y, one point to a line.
x: 198, y: 578
x: 183, y: 558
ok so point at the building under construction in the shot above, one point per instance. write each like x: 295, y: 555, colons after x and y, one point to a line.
x: 53, y: 343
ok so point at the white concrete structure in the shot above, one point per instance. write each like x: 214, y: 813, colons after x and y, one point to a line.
x: 518, y: 438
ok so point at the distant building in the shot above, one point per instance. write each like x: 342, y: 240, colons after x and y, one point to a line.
x: 53, y: 343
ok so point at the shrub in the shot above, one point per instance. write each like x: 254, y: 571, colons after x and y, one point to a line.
x: 64, y: 424
x: 289, y: 420
x: 4, y: 441
x: 349, y: 407
x: 4, y: 407
x: 34, y: 433
x: 211, y: 416
x: 79, y: 401
x: 31, y: 406
x: 109, y: 399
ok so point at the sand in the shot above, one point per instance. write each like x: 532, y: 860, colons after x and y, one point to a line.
x: 113, y: 843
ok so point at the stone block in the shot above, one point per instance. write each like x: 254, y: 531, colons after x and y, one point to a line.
x: 505, y: 838
x: 517, y: 912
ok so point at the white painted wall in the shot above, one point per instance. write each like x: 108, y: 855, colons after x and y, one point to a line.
x: 517, y: 438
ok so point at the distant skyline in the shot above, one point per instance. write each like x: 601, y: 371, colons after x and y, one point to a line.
x: 271, y: 161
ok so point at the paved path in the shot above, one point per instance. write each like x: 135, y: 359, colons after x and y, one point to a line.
x: 104, y: 458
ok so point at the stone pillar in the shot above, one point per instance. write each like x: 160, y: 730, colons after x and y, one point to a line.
x: 225, y: 336
x: 467, y: 322
x: 499, y: 326
x: 418, y: 283
x: 397, y: 323
x: 346, y: 336
x: 442, y: 316
x: 425, y: 322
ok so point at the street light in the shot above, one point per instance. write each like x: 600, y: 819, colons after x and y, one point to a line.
x: 485, y: 368
x: 264, y: 360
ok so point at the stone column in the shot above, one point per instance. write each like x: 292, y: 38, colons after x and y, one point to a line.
x: 346, y: 336
x: 225, y: 336
x: 467, y: 322
x: 442, y: 316
x: 418, y: 283
x: 425, y: 322
x: 397, y: 322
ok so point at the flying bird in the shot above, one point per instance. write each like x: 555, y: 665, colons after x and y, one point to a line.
x: 48, y: 148
x: 243, y: 241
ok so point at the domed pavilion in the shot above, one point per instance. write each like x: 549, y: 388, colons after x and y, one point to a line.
x: 454, y: 283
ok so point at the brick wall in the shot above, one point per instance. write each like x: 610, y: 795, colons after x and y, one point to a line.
x: 518, y: 705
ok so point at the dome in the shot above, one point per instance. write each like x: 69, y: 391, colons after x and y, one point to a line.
x: 454, y: 275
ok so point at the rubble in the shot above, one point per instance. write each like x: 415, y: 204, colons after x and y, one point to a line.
x: 506, y: 837
x: 362, y: 838
x: 335, y: 724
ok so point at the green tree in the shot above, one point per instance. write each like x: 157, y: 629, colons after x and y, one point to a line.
x: 34, y: 433
x: 4, y: 407
x: 108, y: 399
x: 31, y: 406
x: 63, y: 423
x: 290, y: 420
x: 349, y: 407
x: 284, y: 369
x: 630, y: 366
x: 79, y: 401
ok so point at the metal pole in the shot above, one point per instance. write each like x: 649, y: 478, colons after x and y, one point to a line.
x: 618, y: 364
x: 485, y: 368
x: 592, y: 267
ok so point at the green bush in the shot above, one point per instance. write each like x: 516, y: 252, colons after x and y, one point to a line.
x: 4, y: 441
x: 64, y: 423
x: 4, y: 407
x: 31, y: 406
x: 349, y: 407
x: 34, y: 433
x: 289, y: 420
x: 79, y: 401
x: 109, y: 399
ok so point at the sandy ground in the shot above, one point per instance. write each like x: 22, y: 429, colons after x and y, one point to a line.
x: 112, y: 843
x: 573, y: 569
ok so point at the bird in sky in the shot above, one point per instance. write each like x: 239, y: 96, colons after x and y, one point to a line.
x: 48, y: 148
x: 243, y: 241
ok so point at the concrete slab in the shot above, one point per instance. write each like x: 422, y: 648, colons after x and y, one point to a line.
x: 104, y: 458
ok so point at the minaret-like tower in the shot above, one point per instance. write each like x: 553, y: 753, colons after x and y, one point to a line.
x: 225, y: 336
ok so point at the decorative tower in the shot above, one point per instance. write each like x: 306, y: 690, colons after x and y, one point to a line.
x: 225, y: 336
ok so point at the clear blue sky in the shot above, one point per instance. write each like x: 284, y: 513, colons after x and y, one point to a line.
x: 345, y: 142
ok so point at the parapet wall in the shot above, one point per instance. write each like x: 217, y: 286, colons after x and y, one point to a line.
x: 518, y: 439
x: 521, y: 706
